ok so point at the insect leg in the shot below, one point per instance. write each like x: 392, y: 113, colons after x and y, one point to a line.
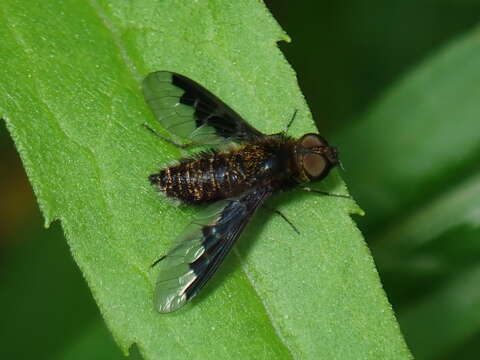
x: 158, y: 260
x: 291, y: 121
x: 306, y: 188
x: 278, y: 212
x: 170, y: 141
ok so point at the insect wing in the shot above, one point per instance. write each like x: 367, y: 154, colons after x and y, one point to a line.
x: 188, y: 110
x: 189, y: 265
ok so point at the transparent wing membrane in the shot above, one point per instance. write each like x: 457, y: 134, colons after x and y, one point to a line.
x: 164, y: 100
x: 188, y: 110
x: 202, y: 248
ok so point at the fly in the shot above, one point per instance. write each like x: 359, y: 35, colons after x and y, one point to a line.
x: 235, y: 179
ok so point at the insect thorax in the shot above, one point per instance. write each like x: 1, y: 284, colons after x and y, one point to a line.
x: 211, y: 176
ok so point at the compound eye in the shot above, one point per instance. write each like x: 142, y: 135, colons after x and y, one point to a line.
x: 314, y: 165
x: 309, y: 141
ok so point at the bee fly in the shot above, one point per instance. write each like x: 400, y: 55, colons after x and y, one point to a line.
x: 236, y: 180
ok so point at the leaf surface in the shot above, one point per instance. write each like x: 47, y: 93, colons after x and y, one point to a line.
x: 73, y: 104
x: 416, y: 172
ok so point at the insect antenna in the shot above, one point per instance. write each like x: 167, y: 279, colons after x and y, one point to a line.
x: 291, y: 121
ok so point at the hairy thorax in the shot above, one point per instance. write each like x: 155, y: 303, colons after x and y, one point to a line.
x: 211, y: 176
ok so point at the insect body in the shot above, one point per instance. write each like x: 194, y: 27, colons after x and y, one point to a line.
x: 272, y: 162
x: 236, y: 180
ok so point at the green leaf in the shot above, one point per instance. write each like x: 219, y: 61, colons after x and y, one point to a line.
x: 96, y: 337
x: 63, y: 308
x: 418, y: 177
x: 452, y: 310
x: 422, y: 136
x: 41, y: 291
x: 73, y: 104
x: 432, y: 256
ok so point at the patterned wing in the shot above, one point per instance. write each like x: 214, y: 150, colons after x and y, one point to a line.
x: 190, y: 111
x: 188, y: 266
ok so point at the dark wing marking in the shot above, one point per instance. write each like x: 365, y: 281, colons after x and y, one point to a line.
x: 189, y: 110
x: 188, y: 266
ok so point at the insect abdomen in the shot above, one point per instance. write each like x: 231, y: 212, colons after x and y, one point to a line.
x: 204, y: 179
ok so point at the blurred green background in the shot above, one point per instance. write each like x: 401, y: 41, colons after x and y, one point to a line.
x: 346, y: 56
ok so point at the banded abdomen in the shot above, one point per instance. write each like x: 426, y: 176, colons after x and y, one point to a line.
x: 208, y: 177
x: 213, y: 176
